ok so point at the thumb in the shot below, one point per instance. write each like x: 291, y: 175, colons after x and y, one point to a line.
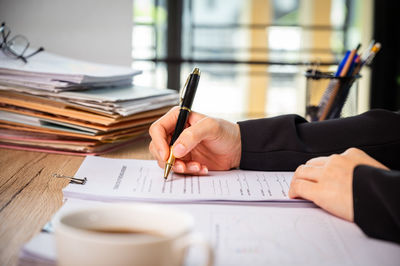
x: 205, y: 128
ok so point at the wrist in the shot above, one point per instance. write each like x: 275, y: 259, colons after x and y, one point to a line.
x: 237, y: 149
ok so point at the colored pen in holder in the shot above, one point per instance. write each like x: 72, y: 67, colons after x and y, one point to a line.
x: 323, y: 88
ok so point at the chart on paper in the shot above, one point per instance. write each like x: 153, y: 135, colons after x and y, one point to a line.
x: 128, y: 179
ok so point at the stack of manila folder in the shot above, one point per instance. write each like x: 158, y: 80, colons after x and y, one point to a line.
x: 77, y: 109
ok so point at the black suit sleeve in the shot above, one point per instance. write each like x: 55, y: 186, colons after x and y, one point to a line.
x: 376, y: 199
x: 283, y: 143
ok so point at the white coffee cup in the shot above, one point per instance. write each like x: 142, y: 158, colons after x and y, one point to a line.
x: 126, y: 234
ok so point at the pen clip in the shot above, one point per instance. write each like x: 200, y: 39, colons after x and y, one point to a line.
x: 183, y: 90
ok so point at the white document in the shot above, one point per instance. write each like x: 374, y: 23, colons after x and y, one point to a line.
x: 116, y: 94
x: 47, y: 65
x: 128, y: 179
x: 124, y: 100
x: 258, y: 235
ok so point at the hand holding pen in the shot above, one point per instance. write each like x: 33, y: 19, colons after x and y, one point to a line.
x: 187, y: 97
x: 205, y: 144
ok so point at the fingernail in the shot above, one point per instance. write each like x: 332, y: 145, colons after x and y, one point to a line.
x: 179, y: 150
x: 194, y: 168
x: 179, y: 168
x: 204, y: 170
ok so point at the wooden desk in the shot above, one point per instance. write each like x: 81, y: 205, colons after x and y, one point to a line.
x: 29, y: 195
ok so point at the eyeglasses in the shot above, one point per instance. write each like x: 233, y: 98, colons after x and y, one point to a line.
x: 16, y: 46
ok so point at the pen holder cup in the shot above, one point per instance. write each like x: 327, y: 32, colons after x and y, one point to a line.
x: 319, y: 90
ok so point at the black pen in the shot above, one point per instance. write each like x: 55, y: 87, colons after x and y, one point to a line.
x: 187, y: 97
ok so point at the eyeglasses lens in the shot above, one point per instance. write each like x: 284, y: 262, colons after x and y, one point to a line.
x: 18, y: 45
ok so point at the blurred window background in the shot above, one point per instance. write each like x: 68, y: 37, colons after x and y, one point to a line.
x: 252, y: 53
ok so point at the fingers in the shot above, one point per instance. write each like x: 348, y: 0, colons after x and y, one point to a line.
x: 304, y: 181
x: 318, y: 161
x: 307, y: 172
x: 159, y: 132
x: 195, y: 117
x: 206, y: 128
x: 181, y: 167
x: 301, y: 188
x: 156, y: 154
x: 191, y: 168
x: 162, y: 129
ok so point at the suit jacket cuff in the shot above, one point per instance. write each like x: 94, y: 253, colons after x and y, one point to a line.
x: 376, y: 201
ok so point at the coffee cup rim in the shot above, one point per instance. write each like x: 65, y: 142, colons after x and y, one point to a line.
x: 84, y: 233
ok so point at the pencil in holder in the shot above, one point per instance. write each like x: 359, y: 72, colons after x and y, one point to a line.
x: 329, y: 96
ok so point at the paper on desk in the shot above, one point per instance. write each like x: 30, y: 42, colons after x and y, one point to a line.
x: 106, y: 137
x: 117, y: 94
x: 40, y: 107
x: 46, y: 65
x: 259, y: 235
x: 111, y: 94
x: 128, y: 179
x: 46, y: 123
x: 132, y: 107
x: 123, y: 101
x: 40, y: 250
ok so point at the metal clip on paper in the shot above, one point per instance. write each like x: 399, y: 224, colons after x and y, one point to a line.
x: 72, y: 180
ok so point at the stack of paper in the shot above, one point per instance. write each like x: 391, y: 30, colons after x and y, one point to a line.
x: 46, y: 71
x: 57, y: 104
